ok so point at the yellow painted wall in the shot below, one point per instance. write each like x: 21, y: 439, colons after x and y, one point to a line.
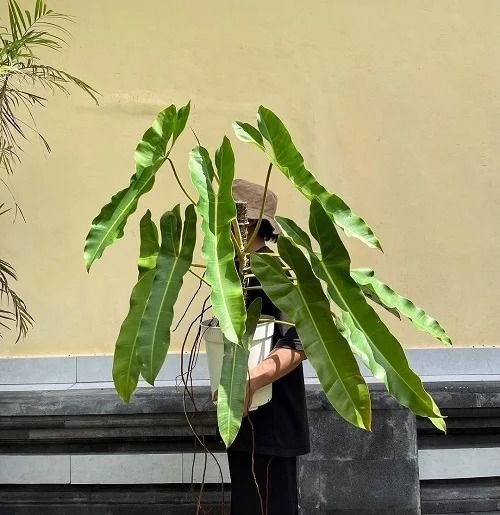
x: 394, y: 104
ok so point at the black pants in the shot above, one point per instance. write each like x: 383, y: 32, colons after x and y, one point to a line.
x: 277, y: 480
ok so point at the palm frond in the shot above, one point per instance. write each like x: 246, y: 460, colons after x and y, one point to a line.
x: 17, y: 310
x: 20, y: 66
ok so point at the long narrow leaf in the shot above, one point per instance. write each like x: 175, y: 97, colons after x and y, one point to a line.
x: 288, y: 159
x: 307, y: 306
x: 126, y: 368
x: 232, y: 387
x: 150, y: 154
x: 149, y: 244
x: 172, y: 264
x: 218, y: 211
x: 333, y: 266
x: 393, y: 301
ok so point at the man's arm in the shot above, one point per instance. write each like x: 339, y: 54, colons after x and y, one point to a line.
x: 277, y: 364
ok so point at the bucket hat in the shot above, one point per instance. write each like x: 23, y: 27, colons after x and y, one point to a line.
x: 252, y: 194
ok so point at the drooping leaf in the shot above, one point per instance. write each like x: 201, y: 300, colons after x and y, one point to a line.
x: 248, y: 134
x: 359, y: 345
x: 150, y: 245
x: 333, y: 266
x: 391, y: 300
x: 307, y: 306
x: 288, y: 159
x: 172, y: 264
x: 218, y: 210
x: 232, y: 387
x: 126, y: 368
x: 150, y: 154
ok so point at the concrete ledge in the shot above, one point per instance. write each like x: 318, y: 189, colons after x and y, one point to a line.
x: 440, y: 364
x: 459, y: 463
x: 41, y: 470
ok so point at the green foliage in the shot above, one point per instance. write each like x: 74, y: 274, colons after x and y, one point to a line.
x: 22, y: 72
x: 384, y: 295
x: 22, y: 75
x: 151, y: 152
x: 332, y: 265
x: 329, y: 353
x: 334, y: 327
x: 218, y: 210
x: 126, y: 367
x: 285, y: 156
x: 232, y: 387
x: 174, y: 260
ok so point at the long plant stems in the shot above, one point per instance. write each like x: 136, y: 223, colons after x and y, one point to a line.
x: 179, y: 182
x: 199, y: 277
x: 263, y: 205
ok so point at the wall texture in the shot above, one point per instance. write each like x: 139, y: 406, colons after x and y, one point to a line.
x: 395, y: 106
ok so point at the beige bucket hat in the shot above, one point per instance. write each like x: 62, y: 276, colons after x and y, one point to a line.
x: 252, y: 194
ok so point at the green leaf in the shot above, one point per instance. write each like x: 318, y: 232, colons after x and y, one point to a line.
x: 248, y: 134
x: 153, y: 145
x: 150, y: 154
x: 173, y: 263
x: 307, y: 306
x: 333, y: 266
x: 181, y: 120
x: 232, y: 387
x: 150, y: 245
x: 393, y: 301
x: 126, y: 368
x: 288, y: 159
x: 359, y: 345
x: 218, y: 211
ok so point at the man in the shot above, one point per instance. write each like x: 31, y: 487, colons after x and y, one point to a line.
x: 276, y: 433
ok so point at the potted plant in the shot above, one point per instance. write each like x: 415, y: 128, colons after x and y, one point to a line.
x: 312, y: 281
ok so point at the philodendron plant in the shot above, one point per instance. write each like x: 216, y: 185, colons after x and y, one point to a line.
x: 311, y: 281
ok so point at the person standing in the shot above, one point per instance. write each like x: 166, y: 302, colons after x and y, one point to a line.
x: 272, y: 436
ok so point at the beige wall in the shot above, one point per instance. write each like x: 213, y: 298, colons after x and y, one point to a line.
x: 394, y: 104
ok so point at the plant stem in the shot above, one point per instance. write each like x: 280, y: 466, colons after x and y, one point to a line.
x: 198, y: 265
x: 279, y: 322
x: 199, y: 277
x: 263, y: 205
x: 179, y: 182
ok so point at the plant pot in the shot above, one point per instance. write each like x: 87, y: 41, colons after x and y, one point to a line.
x: 260, y: 347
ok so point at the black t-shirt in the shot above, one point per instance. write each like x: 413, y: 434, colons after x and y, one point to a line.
x: 280, y: 426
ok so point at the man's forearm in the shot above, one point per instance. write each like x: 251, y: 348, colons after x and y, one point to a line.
x: 279, y: 363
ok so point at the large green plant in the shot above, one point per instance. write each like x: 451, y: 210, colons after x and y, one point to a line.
x: 22, y: 75
x: 313, y: 283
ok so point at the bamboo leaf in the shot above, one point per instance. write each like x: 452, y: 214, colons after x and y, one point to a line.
x: 307, y: 306
x: 150, y: 245
x: 126, y: 368
x: 393, y: 301
x: 333, y: 266
x: 150, y: 154
x: 232, y: 387
x: 218, y: 211
x: 172, y: 264
x: 288, y: 159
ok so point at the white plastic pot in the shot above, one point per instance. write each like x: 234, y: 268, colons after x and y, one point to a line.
x: 259, y: 349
